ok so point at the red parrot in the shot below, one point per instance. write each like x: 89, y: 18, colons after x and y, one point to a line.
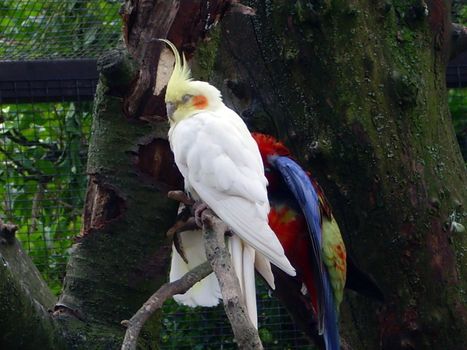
x: 302, y: 219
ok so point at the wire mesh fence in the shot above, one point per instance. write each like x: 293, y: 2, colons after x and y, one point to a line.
x: 43, y: 153
x: 208, y: 328
x: 31, y: 29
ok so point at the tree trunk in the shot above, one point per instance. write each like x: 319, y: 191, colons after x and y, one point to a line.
x: 357, y: 90
x: 25, y: 301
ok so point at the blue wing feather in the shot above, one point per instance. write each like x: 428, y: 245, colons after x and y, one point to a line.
x: 302, y: 189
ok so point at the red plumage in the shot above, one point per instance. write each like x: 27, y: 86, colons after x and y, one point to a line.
x: 288, y: 222
x: 285, y: 218
x: 291, y: 229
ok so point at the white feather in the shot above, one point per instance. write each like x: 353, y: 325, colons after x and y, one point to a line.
x: 243, y: 262
x: 263, y: 266
x: 207, y: 291
x: 249, y: 283
x: 236, y: 255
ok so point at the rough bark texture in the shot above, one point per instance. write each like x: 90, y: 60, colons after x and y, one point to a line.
x: 25, y: 302
x: 121, y: 255
x: 357, y: 90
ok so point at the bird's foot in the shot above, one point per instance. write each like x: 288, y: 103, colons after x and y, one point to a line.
x: 181, y: 197
x: 177, y: 241
x: 198, y: 208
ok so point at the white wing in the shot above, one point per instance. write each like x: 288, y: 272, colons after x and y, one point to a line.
x: 221, y: 163
x: 207, y: 291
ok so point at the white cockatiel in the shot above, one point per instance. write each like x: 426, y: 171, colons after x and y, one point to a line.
x: 222, y: 167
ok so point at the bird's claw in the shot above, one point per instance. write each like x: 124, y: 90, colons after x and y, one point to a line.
x: 198, y: 208
x: 179, y: 246
x: 185, y: 222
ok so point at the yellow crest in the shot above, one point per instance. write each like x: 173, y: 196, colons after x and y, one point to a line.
x: 180, y: 77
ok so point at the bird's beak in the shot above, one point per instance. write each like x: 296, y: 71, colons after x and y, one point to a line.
x: 170, y: 109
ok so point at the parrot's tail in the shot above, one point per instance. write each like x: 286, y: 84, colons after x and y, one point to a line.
x: 331, y: 322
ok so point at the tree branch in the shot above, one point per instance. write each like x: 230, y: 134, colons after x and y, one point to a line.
x: 458, y: 39
x: 16, y: 136
x: 25, y: 299
x: 156, y: 301
x: 245, y: 333
x: 22, y: 169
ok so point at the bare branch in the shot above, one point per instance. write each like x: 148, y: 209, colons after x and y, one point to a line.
x: 23, y: 169
x: 156, y: 301
x: 180, y: 196
x: 458, y: 39
x: 16, y: 136
x: 245, y: 333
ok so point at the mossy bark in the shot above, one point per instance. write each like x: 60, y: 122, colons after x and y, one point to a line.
x: 357, y: 90
x: 25, y: 301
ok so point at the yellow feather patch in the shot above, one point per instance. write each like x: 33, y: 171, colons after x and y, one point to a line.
x: 181, y: 75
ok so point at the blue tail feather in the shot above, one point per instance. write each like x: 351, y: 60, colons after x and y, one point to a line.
x: 302, y: 189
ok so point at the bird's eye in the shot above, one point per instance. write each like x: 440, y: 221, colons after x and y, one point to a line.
x: 186, y: 98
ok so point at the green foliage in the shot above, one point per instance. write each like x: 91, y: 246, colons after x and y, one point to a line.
x: 42, y: 152
x: 459, y: 11
x: 54, y: 28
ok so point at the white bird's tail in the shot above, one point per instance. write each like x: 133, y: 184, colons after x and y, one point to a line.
x: 244, y: 260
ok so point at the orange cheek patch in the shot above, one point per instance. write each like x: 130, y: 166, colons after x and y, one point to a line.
x: 200, y: 102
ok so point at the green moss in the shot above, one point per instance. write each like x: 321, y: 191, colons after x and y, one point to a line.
x: 206, y: 54
x: 83, y: 336
x: 25, y: 324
